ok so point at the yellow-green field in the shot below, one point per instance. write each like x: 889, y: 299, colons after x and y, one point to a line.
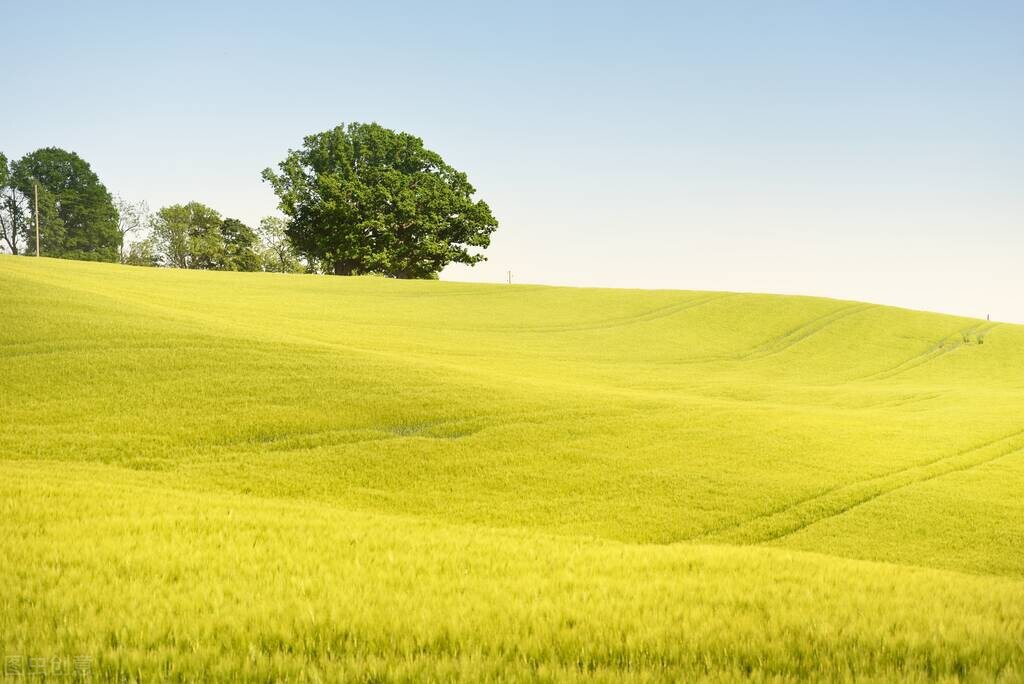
x: 269, y: 477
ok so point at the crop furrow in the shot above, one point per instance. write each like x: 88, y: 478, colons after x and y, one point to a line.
x: 945, y: 346
x: 801, y: 333
x: 777, y: 524
x: 653, y: 315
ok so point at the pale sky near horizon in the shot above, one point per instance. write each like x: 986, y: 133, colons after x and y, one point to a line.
x: 862, y: 150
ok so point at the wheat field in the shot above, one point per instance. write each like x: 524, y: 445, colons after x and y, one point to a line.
x: 261, y: 477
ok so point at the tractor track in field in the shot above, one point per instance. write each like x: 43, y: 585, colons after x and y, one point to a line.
x: 786, y: 341
x: 835, y: 501
x: 451, y: 429
x: 901, y: 402
x: 1003, y: 452
x: 945, y: 346
x: 652, y: 315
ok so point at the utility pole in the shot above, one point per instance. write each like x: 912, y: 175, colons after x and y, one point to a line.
x: 35, y: 187
x: 510, y: 277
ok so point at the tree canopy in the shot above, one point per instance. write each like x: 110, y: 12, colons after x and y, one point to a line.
x: 242, y: 250
x: 362, y: 198
x: 194, y: 235
x: 78, y: 219
x: 188, y: 236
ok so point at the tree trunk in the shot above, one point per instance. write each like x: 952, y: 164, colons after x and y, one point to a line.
x: 344, y: 268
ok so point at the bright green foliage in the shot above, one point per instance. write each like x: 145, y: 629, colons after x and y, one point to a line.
x: 241, y: 247
x: 188, y: 236
x: 252, y: 476
x: 364, y: 199
x: 77, y: 217
x: 195, y: 236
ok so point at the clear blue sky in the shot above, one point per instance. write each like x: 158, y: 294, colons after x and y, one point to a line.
x: 867, y: 150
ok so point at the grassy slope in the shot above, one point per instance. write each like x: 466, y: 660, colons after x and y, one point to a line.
x: 298, y: 476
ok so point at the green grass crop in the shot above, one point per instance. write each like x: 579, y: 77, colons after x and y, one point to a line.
x: 272, y: 477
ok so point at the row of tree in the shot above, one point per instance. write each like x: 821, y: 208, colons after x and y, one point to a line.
x: 357, y: 199
x: 80, y: 219
x: 195, y: 236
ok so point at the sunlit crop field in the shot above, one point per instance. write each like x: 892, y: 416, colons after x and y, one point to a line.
x: 272, y: 477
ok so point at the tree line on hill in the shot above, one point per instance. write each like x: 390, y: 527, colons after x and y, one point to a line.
x: 357, y: 199
x: 80, y: 219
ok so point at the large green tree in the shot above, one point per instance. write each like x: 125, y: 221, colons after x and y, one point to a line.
x: 78, y: 219
x: 241, y: 247
x: 365, y: 199
x: 188, y: 236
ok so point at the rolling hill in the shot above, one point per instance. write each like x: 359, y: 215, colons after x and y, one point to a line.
x: 259, y: 476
